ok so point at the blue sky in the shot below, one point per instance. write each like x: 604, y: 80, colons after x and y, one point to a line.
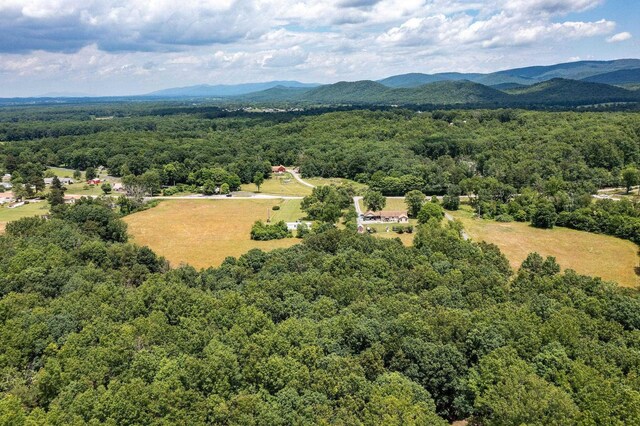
x: 116, y: 47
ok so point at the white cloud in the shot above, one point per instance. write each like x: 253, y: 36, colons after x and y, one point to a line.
x: 616, y: 38
x: 144, y: 45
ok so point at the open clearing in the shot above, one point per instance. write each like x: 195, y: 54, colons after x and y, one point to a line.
x: 32, y: 209
x: 283, y: 184
x: 318, y: 181
x: 611, y: 258
x: 203, y: 233
x: 396, y: 203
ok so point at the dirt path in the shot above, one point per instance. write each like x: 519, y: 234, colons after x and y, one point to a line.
x: 297, y: 177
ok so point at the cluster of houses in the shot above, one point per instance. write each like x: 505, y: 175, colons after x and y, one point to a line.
x: 8, y: 197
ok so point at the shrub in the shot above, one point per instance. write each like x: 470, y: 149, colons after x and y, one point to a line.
x: 451, y: 202
x: 520, y: 216
x: 264, y: 232
x: 545, y: 215
x: 275, y: 208
x: 504, y: 218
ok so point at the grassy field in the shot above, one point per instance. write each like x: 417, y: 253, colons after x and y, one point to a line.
x: 83, y: 189
x: 283, y: 184
x: 611, y: 258
x: 62, y: 173
x: 360, y: 187
x: 27, y: 210
x: 203, y: 232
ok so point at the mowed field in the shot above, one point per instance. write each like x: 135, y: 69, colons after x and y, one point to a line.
x: 32, y: 209
x: 283, y: 184
x: 203, y: 233
x: 611, y: 258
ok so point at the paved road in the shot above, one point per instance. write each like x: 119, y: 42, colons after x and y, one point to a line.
x: 222, y: 197
x: 297, y: 177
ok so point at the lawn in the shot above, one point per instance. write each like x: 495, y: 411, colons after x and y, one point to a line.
x: 381, y: 232
x: 283, y: 184
x: 203, y: 233
x: 611, y: 258
x: 393, y: 203
x: 62, y: 173
x: 32, y: 209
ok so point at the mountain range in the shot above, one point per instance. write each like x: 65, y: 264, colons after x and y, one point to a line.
x: 566, y: 84
x: 573, y: 83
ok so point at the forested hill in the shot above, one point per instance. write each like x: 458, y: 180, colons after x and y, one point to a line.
x: 341, y: 329
x: 553, y: 92
x: 528, y: 75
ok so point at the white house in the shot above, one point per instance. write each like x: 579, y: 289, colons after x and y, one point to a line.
x: 63, y: 180
x: 293, y: 226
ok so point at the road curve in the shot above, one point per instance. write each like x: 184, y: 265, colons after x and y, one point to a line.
x: 297, y: 177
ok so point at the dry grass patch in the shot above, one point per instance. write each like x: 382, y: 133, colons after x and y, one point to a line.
x: 611, y: 258
x: 203, y: 233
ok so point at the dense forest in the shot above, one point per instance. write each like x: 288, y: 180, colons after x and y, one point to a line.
x: 511, y: 163
x: 341, y: 329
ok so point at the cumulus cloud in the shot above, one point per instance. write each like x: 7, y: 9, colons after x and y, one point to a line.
x: 616, y: 38
x: 159, y: 43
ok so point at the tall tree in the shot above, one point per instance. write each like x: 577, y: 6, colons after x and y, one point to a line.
x: 90, y: 173
x: 374, y: 200
x: 56, y: 192
x: 631, y: 177
x: 258, y: 180
x: 414, y: 200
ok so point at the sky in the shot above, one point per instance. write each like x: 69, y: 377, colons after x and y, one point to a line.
x: 125, y: 47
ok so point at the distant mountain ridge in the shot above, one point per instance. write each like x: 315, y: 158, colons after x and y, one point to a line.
x: 224, y: 90
x: 557, y: 91
x: 526, y: 76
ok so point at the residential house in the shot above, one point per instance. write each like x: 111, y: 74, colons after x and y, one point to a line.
x: 6, y: 197
x: 6, y: 178
x: 94, y: 182
x: 386, y: 216
x: 117, y: 187
x: 6, y: 185
x: 63, y: 180
x: 278, y: 169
